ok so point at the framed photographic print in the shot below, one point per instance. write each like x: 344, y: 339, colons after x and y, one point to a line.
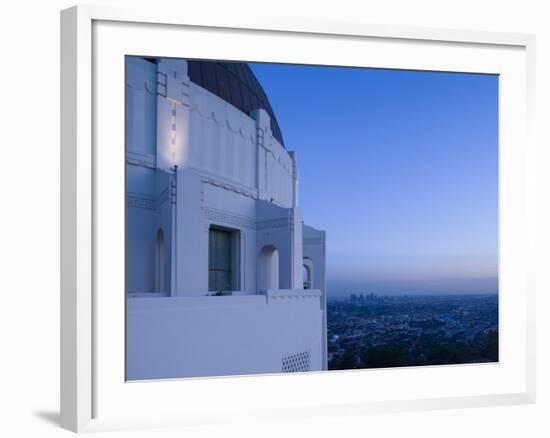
x: 274, y: 218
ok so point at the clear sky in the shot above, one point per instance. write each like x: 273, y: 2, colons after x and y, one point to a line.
x: 401, y: 170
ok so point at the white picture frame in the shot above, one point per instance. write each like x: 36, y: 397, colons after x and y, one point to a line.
x: 93, y: 397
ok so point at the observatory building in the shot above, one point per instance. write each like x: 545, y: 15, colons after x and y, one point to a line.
x: 222, y: 276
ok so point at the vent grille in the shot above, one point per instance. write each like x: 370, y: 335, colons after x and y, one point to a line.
x: 296, y: 363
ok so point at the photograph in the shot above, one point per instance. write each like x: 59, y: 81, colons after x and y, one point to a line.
x: 285, y: 218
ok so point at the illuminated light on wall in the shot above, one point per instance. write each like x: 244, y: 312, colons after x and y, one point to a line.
x: 173, y: 132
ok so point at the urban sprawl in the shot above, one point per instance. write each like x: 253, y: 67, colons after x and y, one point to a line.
x: 372, y: 331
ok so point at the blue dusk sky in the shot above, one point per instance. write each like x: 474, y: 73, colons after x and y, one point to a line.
x: 401, y: 170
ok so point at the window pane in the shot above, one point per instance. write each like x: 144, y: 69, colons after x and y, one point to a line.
x: 219, y: 260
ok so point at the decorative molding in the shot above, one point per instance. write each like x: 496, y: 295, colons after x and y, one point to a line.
x: 147, y: 202
x: 139, y: 159
x: 272, y: 223
x: 162, y: 84
x: 209, y: 106
x: 174, y: 188
x: 140, y: 201
x: 227, y: 186
x: 287, y: 295
x: 224, y: 217
x: 186, y: 91
x: 313, y: 241
x: 162, y: 198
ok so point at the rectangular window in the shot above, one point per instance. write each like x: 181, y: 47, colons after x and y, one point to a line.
x: 222, y: 255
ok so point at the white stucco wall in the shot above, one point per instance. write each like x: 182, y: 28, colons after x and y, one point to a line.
x: 222, y: 140
x: 147, y: 212
x: 227, y: 335
x: 141, y: 101
x: 199, y: 163
x: 231, y: 172
x: 314, y: 254
x: 203, y: 202
x: 282, y: 228
x: 276, y: 169
x: 218, y: 140
x: 173, y: 123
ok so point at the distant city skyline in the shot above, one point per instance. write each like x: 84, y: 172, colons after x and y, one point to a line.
x: 401, y: 170
x: 413, y: 330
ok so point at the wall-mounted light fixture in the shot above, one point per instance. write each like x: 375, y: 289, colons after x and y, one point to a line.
x: 173, y: 133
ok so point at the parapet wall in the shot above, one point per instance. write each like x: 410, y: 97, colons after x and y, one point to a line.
x: 171, y: 337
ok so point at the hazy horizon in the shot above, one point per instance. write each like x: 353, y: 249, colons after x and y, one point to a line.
x: 401, y: 170
x: 448, y: 286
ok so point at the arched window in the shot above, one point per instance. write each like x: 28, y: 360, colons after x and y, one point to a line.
x: 307, y: 269
x: 268, y: 275
x: 160, y: 263
x: 306, y: 277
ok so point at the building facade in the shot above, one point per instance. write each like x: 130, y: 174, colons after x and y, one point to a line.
x: 222, y: 276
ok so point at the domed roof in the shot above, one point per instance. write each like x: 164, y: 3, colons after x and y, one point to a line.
x: 235, y: 83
